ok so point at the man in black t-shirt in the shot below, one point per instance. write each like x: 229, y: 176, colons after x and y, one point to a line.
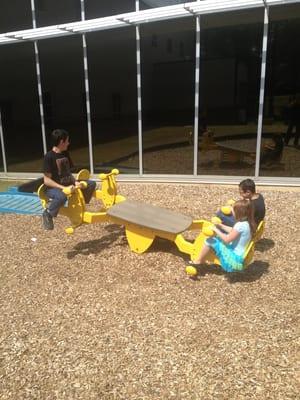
x: 247, y: 191
x: 57, y: 176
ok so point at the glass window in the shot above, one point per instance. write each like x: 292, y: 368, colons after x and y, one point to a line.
x: 62, y: 77
x: 104, y: 8
x: 168, y: 91
x: 1, y: 130
x: 113, y: 93
x: 15, y: 15
x: 1, y: 158
x: 20, y: 108
x: 54, y: 12
x: 280, y: 151
x: 230, y: 69
x: 145, y: 4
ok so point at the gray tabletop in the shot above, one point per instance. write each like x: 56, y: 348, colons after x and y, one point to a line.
x: 150, y: 216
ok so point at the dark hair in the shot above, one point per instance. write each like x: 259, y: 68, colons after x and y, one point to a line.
x: 247, y: 184
x: 244, y: 211
x: 57, y: 135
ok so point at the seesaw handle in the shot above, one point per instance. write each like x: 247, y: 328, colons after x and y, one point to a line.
x: 68, y: 192
x: 115, y: 171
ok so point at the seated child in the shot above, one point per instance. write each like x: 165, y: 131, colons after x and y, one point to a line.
x: 247, y: 192
x: 57, y: 176
x: 230, y: 246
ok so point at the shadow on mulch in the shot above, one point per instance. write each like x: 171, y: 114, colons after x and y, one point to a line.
x: 96, y: 246
x: 253, y: 272
x: 164, y: 246
x: 264, y: 245
x: 114, y: 228
x: 115, y: 233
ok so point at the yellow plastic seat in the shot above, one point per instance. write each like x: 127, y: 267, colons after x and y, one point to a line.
x: 249, y: 253
x: 42, y: 195
x: 259, y: 231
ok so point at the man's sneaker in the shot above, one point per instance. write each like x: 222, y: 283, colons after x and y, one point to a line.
x: 48, y: 221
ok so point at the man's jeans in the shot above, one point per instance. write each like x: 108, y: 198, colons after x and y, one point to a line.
x: 58, y: 198
x: 227, y: 220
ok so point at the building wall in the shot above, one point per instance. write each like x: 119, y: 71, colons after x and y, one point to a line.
x: 229, y: 86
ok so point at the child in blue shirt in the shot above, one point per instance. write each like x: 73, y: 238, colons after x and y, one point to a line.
x: 230, y: 243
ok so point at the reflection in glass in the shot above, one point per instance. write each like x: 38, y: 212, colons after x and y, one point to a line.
x: 53, y: 12
x: 15, y: 15
x: 113, y: 94
x: 168, y: 90
x: 1, y: 150
x: 20, y: 108
x: 280, y: 153
x: 230, y: 67
x: 104, y: 8
x: 1, y: 158
x: 145, y: 4
x: 62, y: 78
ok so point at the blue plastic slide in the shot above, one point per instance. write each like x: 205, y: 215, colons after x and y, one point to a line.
x: 15, y: 202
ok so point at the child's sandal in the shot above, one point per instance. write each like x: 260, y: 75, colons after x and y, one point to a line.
x: 194, y: 264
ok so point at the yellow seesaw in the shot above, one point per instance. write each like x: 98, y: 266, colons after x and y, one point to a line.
x: 76, y: 208
x: 142, y: 222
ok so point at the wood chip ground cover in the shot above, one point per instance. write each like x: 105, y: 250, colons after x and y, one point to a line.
x: 82, y: 317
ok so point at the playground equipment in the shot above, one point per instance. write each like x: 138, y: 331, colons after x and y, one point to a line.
x: 227, y: 209
x: 75, y: 208
x: 213, y: 259
x: 142, y: 222
x: 15, y: 202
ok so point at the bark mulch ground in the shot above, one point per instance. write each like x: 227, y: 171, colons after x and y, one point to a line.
x: 82, y: 317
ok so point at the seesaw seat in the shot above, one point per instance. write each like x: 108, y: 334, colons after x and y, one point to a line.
x: 151, y: 217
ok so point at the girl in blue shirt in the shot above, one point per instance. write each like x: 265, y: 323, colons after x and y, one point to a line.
x: 230, y: 246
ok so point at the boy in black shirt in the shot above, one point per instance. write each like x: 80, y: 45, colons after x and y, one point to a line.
x: 248, y: 192
x: 57, y: 176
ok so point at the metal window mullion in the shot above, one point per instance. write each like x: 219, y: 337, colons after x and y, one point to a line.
x: 41, y: 103
x: 262, y: 90
x: 39, y: 83
x: 88, y: 106
x: 139, y: 99
x: 139, y: 92
x: 197, y: 88
x: 87, y: 92
x: 2, y: 145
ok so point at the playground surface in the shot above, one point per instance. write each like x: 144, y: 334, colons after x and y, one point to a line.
x: 83, y: 317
